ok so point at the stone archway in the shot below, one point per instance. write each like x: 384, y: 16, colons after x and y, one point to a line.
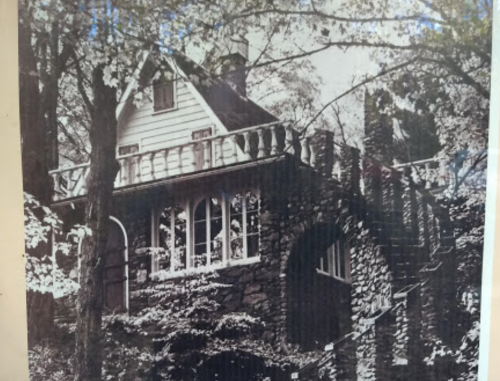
x: 318, y: 304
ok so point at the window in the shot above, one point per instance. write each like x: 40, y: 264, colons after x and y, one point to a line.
x: 244, y: 226
x: 163, y: 92
x: 208, y: 232
x: 213, y: 232
x: 335, y: 261
x: 172, y: 235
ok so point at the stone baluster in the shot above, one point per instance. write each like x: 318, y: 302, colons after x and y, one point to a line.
x: 152, y: 164
x: 313, y: 152
x: 138, y: 163
x: 221, y: 151
x: 427, y: 175
x: 261, y: 147
x: 165, y: 161
x: 235, y: 148
x: 194, y: 147
x: 179, y: 158
x: 71, y: 186
x: 305, y: 154
x: 274, y: 141
x: 206, y: 155
x: 247, y: 146
x: 123, y: 171
x: 289, y: 141
x: 85, y: 173
x: 442, y: 173
x: 57, y: 187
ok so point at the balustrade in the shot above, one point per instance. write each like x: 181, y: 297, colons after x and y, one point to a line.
x: 430, y: 173
x: 253, y: 143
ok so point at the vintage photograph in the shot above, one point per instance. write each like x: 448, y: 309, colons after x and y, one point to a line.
x: 257, y: 190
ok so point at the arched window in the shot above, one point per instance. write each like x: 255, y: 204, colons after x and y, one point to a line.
x: 244, y: 226
x: 208, y: 232
x: 172, y: 236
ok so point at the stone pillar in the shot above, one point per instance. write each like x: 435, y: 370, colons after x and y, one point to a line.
x: 410, y: 211
x: 378, y: 127
x: 322, y: 143
x: 350, y: 170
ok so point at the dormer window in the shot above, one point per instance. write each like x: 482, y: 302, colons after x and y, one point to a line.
x: 164, y: 92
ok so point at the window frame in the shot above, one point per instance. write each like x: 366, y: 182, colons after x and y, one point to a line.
x: 163, y: 82
x: 190, y: 207
x: 334, y: 258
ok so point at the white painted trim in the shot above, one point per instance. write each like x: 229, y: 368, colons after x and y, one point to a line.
x: 174, y: 95
x: 124, y: 99
x: 127, y: 291
x: 163, y: 275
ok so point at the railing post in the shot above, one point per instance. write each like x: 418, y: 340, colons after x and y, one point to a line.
x: 123, y: 172
x: 165, y: 161
x: 152, y: 164
x: 57, y: 188
x: 313, y: 159
x: 305, y: 157
x: 206, y: 154
x: 138, y: 162
x: 70, y: 182
x: 235, y: 148
x: 179, y: 158
x: 221, y: 151
x: 193, y: 155
x: 261, y: 147
x: 427, y: 176
x: 274, y: 141
x: 442, y: 173
x: 247, y: 146
x: 289, y: 140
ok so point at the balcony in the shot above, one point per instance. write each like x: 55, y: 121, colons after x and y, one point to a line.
x: 242, y: 146
x: 432, y: 173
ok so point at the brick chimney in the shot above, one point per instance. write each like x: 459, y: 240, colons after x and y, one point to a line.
x: 234, y: 58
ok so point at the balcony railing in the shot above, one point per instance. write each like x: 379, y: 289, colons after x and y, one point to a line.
x: 431, y: 173
x: 241, y: 146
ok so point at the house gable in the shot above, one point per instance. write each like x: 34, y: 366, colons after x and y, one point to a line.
x: 152, y: 130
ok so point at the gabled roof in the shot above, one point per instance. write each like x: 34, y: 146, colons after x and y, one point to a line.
x: 232, y: 109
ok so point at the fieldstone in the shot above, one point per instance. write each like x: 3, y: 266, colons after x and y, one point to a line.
x: 253, y: 299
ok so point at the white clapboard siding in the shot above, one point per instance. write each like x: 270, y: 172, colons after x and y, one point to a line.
x: 153, y: 131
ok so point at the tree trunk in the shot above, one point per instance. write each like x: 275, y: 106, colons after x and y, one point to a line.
x: 36, y: 180
x: 103, y: 170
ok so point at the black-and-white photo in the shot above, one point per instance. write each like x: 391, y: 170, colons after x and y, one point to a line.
x: 258, y: 190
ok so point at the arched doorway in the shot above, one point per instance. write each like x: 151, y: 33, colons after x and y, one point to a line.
x: 116, y: 268
x: 319, y: 308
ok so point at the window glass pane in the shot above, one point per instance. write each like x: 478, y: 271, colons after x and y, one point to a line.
x: 200, y: 234
x: 236, y: 228
x: 252, y: 221
x: 179, y: 253
x: 342, y: 263
x: 165, y: 238
x: 172, y: 239
x: 215, y: 231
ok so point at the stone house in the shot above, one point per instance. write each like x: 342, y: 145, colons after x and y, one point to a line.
x: 332, y: 249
